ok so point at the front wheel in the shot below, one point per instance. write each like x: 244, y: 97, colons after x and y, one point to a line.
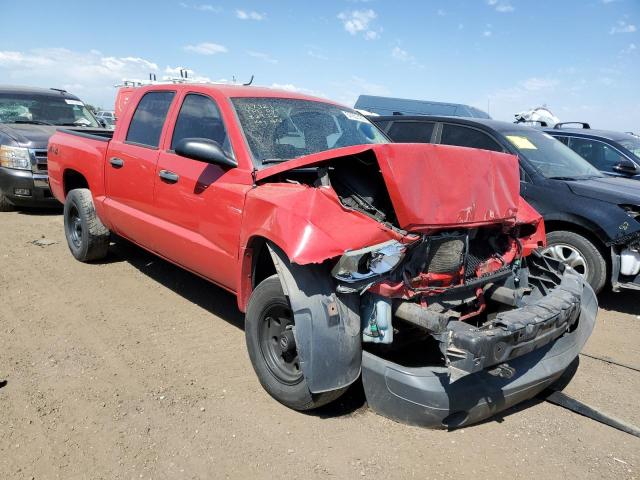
x: 580, y: 254
x: 87, y: 237
x: 271, y: 344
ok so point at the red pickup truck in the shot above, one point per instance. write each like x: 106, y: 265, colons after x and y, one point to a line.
x: 414, y: 266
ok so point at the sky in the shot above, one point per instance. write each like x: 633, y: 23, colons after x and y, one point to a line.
x: 580, y: 58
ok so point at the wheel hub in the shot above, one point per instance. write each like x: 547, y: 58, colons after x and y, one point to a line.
x: 569, y: 255
x: 278, y: 344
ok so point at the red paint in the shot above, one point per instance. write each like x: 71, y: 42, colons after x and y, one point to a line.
x: 207, y: 222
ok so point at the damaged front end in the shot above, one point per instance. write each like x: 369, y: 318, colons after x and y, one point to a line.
x: 452, y: 312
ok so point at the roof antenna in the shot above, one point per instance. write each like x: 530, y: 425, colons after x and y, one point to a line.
x: 249, y: 82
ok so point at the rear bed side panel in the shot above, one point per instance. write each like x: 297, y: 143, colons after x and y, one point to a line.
x: 80, y: 154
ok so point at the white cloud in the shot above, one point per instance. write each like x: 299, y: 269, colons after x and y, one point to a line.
x: 629, y: 49
x: 91, y: 75
x: 206, y: 48
x: 487, y: 33
x: 623, y: 27
x: 502, y: 6
x: 535, y: 83
x: 174, y: 72
x: 441, y: 12
x: 289, y: 87
x: 360, y: 22
x: 313, y: 53
x: 400, y: 54
x: 265, y: 57
x: 403, y: 56
x: 202, y: 7
x: 250, y: 15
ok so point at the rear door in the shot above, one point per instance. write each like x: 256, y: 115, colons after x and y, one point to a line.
x: 198, y: 204
x: 130, y: 169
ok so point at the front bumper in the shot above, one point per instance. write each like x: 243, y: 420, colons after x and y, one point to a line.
x: 36, y: 183
x: 427, y: 396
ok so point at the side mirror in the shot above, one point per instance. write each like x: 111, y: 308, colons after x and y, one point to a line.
x: 626, y: 167
x: 102, y: 123
x: 204, y: 150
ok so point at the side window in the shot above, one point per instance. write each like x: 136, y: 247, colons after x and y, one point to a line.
x: 564, y: 140
x: 597, y: 153
x: 148, y: 119
x: 199, y: 117
x: 468, y: 137
x: 411, y: 132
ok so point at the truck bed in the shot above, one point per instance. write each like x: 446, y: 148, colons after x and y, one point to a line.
x: 78, y: 152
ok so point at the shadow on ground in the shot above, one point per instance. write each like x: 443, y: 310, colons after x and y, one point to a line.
x: 40, y: 212
x: 214, y: 299
x: 626, y: 301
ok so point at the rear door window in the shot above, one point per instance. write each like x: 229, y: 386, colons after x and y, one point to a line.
x: 411, y: 132
x: 148, y: 119
x: 599, y: 154
x: 464, y: 136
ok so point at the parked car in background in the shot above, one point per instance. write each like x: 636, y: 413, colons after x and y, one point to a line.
x: 613, y: 153
x: 108, y: 123
x: 348, y: 253
x: 106, y: 114
x: 592, y: 220
x: 404, y: 106
x: 28, y: 117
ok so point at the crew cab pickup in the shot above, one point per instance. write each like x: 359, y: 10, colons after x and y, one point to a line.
x: 413, y: 266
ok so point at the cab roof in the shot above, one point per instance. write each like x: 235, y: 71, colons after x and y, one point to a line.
x: 235, y: 91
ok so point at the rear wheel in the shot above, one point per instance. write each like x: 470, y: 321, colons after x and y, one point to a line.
x: 87, y: 237
x: 271, y: 344
x: 580, y: 254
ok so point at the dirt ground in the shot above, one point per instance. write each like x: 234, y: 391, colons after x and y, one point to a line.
x: 133, y: 368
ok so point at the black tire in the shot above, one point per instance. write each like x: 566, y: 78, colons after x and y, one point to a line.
x: 287, y: 385
x: 87, y: 237
x: 5, y: 204
x: 596, y: 271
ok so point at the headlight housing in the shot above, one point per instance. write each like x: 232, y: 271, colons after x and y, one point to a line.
x: 632, y: 210
x: 15, y: 157
x: 369, y: 262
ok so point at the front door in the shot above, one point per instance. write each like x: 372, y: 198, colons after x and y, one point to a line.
x: 199, y: 204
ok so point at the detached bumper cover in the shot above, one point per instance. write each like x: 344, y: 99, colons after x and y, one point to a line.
x: 427, y: 396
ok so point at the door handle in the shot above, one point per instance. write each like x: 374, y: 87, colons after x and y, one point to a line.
x: 168, y: 176
x: 116, y: 162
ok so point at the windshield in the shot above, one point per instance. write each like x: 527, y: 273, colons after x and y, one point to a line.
x: 44, y: 109
x: 279, y: 129
x: 631, y: 144
x: 550, y: 157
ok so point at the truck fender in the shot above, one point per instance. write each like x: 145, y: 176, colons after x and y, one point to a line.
x: 327, y: 325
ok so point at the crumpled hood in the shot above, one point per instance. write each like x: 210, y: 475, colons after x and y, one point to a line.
x: 608, y: 189
x: 436, y: 186
x: 27, y: 135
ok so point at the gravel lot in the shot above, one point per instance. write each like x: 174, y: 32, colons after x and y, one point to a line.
x: 133, y: 368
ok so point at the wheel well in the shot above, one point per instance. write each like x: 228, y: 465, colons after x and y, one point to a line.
x: 262, y: 267
x: 556, y: 225
x: 72, y: 179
